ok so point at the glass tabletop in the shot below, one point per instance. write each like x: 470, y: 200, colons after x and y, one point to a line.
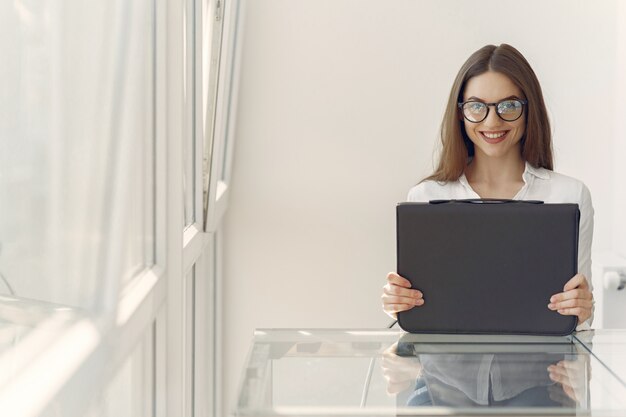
x: 609, y: 346
x: 326, y: 372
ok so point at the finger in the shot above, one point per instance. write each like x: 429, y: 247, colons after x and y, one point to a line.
x: 397, y: 308
x: 394, y: 278
x: 577, y: 281
x: 577, y: 366
x: 393, y: 289
x: 569, y: 391
x: 576, y: 302
x: 556, y: 377
x: 402, y: 363
x: 563, y: 373
x: 583, y: 314
x: 583, y: 294
x: 568, y: 381
x: 390, y: 361
x: 394, y: 299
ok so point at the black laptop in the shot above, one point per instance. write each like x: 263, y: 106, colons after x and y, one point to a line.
x: 487, y: 266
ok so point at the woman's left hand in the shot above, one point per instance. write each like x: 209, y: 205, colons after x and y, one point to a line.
x: 572, y: 377
x: 575, y: 300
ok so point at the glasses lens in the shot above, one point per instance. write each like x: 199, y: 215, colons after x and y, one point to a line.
x: 474, y: 111
x: 510, y: 110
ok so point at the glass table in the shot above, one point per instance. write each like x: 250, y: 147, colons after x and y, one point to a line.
x: 324, y: 372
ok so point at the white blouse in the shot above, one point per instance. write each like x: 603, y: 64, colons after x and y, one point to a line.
x: 539, y: 184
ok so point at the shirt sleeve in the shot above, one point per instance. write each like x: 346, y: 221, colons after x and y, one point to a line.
x: 585, y: 237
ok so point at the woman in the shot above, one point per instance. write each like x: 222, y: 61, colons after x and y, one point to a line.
x: 497, y: 144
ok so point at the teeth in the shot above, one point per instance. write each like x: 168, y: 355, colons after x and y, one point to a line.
x: 494, y: 135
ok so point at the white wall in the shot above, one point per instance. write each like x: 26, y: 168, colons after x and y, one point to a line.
x: 612, y: 304
x: 339, y: 107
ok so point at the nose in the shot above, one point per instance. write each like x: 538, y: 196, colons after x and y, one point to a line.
x: 492, y: 118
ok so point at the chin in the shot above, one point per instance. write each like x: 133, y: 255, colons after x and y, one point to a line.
x: 497, y: 150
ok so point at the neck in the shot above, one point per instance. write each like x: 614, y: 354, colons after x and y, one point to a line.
x: 488, y: 170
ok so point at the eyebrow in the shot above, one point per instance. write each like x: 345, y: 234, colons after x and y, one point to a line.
x: 484, y: 101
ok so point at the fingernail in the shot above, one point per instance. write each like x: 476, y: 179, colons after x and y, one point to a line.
x: 419, y: 302
x: 552, y: 299
x: 551, y: 306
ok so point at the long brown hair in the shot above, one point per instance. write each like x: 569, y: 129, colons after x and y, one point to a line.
x: 457, y: 148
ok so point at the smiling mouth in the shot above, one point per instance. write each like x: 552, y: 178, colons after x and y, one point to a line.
x: 494, y: 137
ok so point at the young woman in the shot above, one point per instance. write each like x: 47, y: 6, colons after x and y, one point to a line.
x: 497, y: 144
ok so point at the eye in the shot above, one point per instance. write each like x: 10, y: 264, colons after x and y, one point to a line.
x: 475, y: 106
x: 509, y: 106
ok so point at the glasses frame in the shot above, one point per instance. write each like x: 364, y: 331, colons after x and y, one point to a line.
x: 495, y: 105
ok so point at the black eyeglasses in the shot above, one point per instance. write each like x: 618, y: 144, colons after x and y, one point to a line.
x: 508, y: 110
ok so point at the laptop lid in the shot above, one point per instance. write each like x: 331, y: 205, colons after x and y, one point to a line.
x: 487, y: 267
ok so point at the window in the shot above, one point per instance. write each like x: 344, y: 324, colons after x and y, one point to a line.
x: 112, y: 111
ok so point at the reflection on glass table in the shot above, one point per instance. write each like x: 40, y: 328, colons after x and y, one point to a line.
x: 388, y: 372
x: 537, y: 374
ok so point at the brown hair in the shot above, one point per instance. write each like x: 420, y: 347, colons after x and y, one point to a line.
x: 457, y: 148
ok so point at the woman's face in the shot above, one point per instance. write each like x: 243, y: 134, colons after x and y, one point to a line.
x: 494, y: 137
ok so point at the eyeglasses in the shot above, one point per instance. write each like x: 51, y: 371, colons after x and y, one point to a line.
x: 508, y: 110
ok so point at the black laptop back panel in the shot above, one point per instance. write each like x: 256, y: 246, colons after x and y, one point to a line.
x: 487, y: 268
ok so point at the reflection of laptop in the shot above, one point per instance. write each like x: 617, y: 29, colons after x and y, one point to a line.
x: 487, y: 266
x: 411, y: 344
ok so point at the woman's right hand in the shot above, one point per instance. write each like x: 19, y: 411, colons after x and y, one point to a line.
x: 401, y: 372
x: 398, y: 295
